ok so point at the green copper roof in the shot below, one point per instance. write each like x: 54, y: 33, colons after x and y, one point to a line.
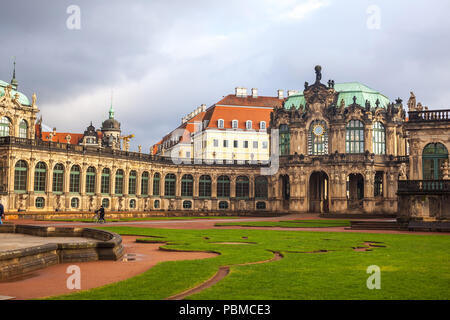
x: 346, y: 92
x: 22, y: 98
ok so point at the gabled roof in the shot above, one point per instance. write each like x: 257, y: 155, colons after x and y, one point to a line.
x: 242, y: 114
x: 249, y: 101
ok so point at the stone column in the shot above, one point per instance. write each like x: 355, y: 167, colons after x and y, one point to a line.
x: 368, y: 137
x: 66, y: 181
x: 112, y: 185
x: 138, y: 183
x: 98, y: 180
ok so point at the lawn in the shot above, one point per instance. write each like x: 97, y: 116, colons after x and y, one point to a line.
x: 412, y: 266
x: 290, y: 224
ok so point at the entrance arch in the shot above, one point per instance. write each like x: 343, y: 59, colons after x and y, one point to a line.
x: 355, y: 190
x: 319, y: 192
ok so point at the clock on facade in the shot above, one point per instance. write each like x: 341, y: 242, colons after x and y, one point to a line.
x: 319, y: 130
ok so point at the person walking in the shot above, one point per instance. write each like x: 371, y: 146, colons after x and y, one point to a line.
x: 101, y: 211
x: 2, y: 212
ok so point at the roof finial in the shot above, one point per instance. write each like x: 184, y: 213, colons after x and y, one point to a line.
x: 111, y: 110
x: 14, y: 83
x: 318, y: 70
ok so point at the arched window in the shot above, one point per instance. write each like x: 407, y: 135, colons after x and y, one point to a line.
x: 223, y: 205
x: 204, y: 187
x: 40, y: 176
x: 234, y: 124
x: 132, y: 183
x: 20, y: 177
x: 242, y: 187
x: 170, y: 185
x: 144, y: 184
x: 40, y: 202
x: 156, y: 204
x: 74, y: 185
x: 261, y: 187
x: 106, y: 181
x: 261, y: 205
x: 75, y: 203
x: 156, y: 179
x: 132, y: 204
x: 223, y: 187
x: 285, y: 140
x: 187, y: 184
x: 378, y: 184
x: 379, y: 138
x: 119, y: 182
x: 5, y: 124
x: 248, y: 124
x: 433, y: 157
x: 90, y: 180
x: 318, y: 138
x: 187, y: 204
x: 105, y: 202
x: 58, y: 178
x: 23, y: 129
x: 354, y: 138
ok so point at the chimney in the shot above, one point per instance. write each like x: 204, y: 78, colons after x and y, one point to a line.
x: 280, y: 94
x: 292, y: 92
x: 203, y: 108
x: 255, y: 93
x: 241, y: 92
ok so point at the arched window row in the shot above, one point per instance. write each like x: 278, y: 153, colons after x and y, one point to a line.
x: 53, y: 179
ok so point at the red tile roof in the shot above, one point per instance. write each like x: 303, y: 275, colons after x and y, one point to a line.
x: 60, y: 137
x: 228, y: 114
x: 249, y: 101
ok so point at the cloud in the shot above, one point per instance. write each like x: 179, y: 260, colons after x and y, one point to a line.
x: 163, y: 59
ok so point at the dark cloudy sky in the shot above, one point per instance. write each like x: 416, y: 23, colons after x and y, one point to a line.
x: 162, y: 59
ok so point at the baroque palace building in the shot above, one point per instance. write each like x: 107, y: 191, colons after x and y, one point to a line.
x: 335, y: 148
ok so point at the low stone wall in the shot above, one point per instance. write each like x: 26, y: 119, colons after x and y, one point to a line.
x: 16, y: 263
x: 126, y: 214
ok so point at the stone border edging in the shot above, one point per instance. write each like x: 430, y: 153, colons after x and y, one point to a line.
x: 18, y: 262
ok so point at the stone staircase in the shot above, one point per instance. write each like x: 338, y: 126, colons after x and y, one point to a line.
x: 378, y: 225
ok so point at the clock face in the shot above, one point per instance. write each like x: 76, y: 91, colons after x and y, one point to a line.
x: 318, y: 130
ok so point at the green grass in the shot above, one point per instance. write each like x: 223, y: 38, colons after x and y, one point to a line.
x: 140, y: 219
x: 412, y: 266
x: 290, y: 224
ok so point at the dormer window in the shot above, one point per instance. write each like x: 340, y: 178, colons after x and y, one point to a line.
x: 220, y: 123
x: 262, y: 125
x: 234, y: 124
x: 248, y: 124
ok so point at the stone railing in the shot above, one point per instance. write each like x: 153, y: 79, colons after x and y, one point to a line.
x: 344, y: 158
x: 429, y: 115
x: 113, y: 153
x: 423, y: 186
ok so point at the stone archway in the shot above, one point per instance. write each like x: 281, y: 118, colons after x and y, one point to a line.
x: 319, y: 192
x: 355, y: 191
